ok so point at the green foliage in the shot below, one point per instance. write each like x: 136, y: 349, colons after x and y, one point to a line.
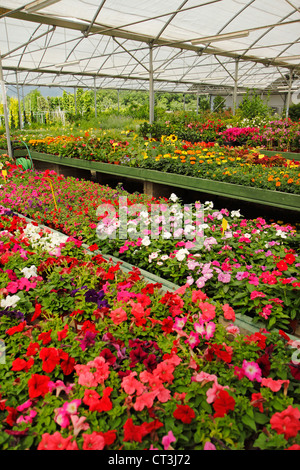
x: 253, y: 106
x: 294, y: 112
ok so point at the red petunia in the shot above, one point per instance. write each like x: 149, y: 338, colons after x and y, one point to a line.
x: 184, y: 413
x: 45, y: 337
x: 223, y: 403
x: 38, y: 385
x: 37, y: 312
x: 32, y: 349
x: 67, y: 365
x: 16, y: 329
x: 20, y: 364
x: 287, y: 422
x: 109, y: 437
x: 50, y: 358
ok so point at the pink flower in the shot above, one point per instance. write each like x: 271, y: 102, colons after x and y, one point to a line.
x: 251, y: 370
x: 71, y: 407
x: 232, y: 329
x: 274, y: 385
x: 210, y: 330
x: 56, y: 442
x: 131, y: 385
x: 256, y: 294
x: 193, y: 340
x: 209, y: 446
x: 144, y: 400
x: 118, y: 315
x: 93, y: 441
x: 167, y: 441
x: 79, y: 424
x: 24, y: 406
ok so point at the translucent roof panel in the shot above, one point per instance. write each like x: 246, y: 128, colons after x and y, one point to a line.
x: 191, y: 44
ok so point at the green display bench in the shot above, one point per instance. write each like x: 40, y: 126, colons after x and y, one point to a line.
x: 152, y: 178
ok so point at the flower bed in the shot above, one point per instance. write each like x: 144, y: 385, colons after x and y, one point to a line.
x: 145, y: 370
x: 252, y: 264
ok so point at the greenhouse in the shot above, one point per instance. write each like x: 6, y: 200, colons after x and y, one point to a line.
x: 149, y: 237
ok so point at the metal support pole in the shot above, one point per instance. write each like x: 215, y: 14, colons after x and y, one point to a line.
x: 288, y: 98
x: 95, y: 96
x: 118, y: 101
x: 151, y: 87
x: 19, y: 103
x: 183, y: 102
x: 235, y: 86
x: 197, y: 101
x: 5, y: 111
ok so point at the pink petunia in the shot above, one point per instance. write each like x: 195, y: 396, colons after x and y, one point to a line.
x: 167, y: 440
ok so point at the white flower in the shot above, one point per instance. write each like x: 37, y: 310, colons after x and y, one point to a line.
x: 281, y: 234
x: 29, y: 272
x: 173, y: 197
x: 235, y: 213
x: 164, y: 257
x: 146, y: 241
x: 180, y: 255
x: 10, y: 301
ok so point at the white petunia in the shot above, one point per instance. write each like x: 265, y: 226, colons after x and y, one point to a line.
x: 29, y: 272
x: 10, y: 301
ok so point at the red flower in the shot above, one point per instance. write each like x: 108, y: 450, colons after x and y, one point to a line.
x: 50, y: 357
x: 257, y: 401
x: 289, y: 258
x: 32, y: 349
x: 45, y: 337
x: 109, y: 437
x: 184, y: 413
x: 67, y: 364
x: 132, y: 432
x: 223, y: 403
x: 38, y: 385
x: 287, y: 422
x: 281, y: 265
x: 12, y: 415
x: 16, y: 329
x: 37, y: 312
x: 21, y: 364
x: 104, y: 403
x: 93, y: 247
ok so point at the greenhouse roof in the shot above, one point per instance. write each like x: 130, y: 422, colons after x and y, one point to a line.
x: 185, y: 46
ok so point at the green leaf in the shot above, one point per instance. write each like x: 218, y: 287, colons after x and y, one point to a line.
x: 249, y: 422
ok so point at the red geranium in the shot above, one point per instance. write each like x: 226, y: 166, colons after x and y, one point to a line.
x: 223, y: 403
x: 184, y: 413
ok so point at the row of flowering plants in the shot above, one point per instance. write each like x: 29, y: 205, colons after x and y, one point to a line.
x: 145, y: 369
x: 232, y: 164
x: 251, y: 264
